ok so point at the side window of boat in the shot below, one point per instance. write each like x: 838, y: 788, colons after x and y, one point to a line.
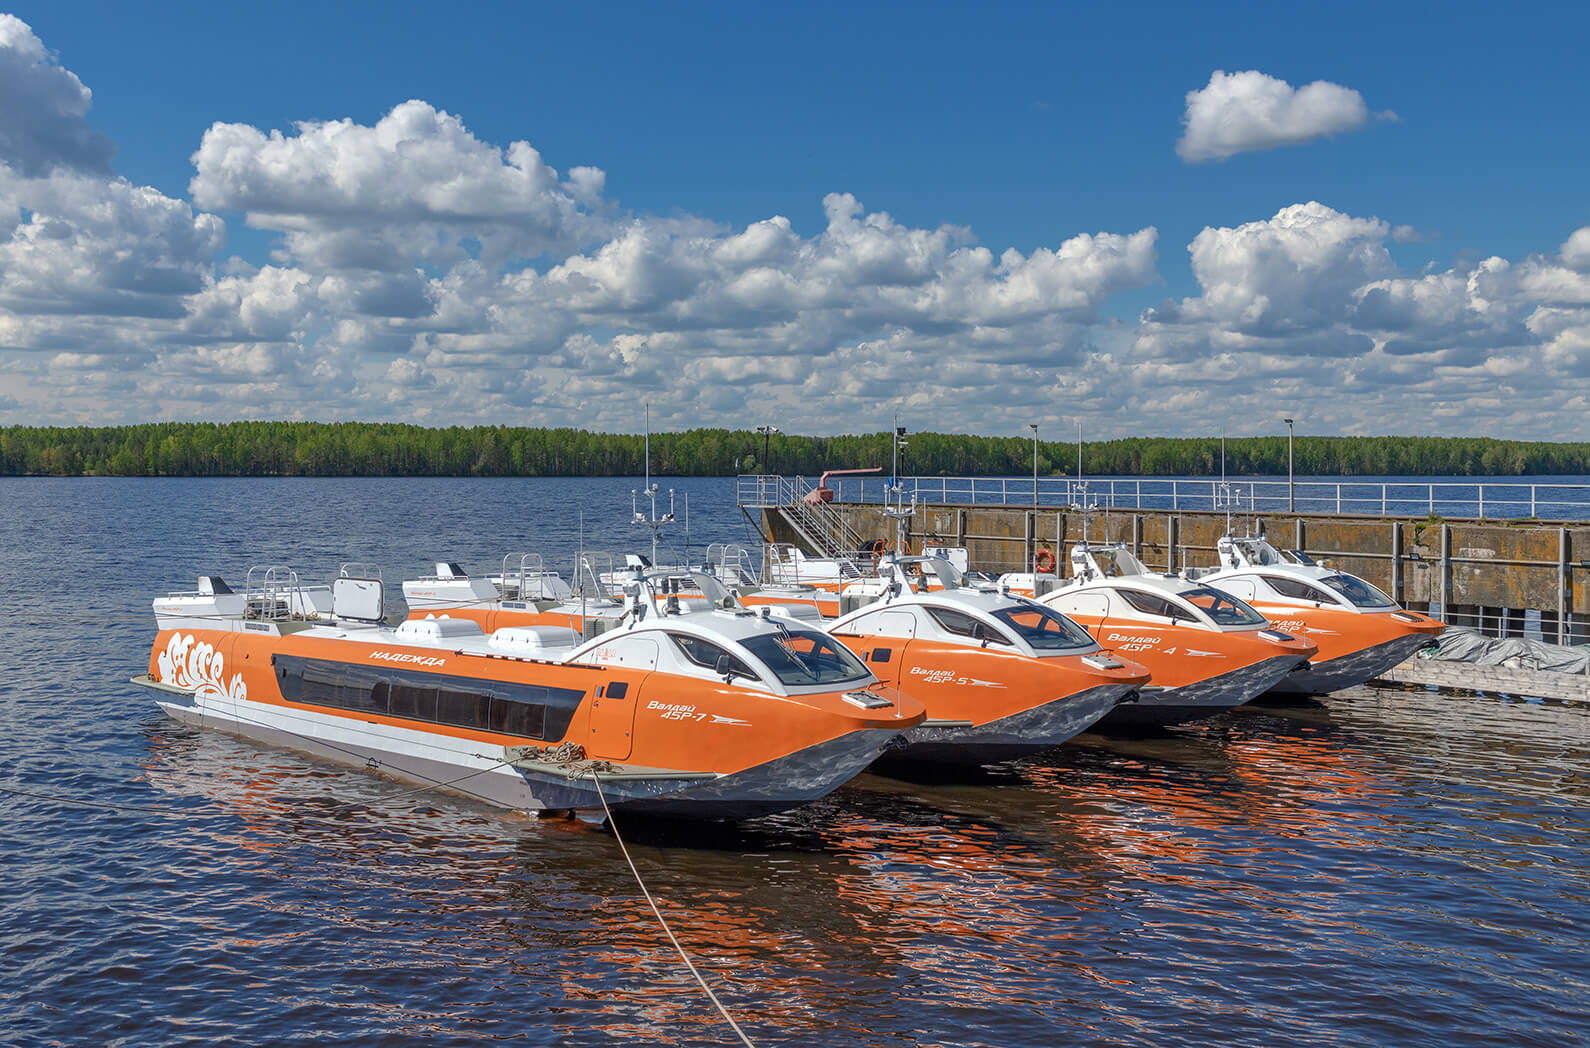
x: 527, y: 710
x: 410, y: 700
x: 464, y: 708
x: 962, y: 625
x: 1146, y: 603
x: 1297, y: 590
x: 706, y: 654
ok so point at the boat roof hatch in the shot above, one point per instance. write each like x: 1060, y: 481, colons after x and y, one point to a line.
x: 358, y: 600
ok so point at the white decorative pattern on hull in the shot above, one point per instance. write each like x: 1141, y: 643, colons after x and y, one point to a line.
x: 188, y: 664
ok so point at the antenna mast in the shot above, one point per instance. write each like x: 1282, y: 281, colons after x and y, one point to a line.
x: 653, y: 522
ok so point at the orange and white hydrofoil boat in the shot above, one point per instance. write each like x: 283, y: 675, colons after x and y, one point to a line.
x: 713, y: 714
x: 1359, y: 630
x: 1207, y: 650
x: 1002, y: 677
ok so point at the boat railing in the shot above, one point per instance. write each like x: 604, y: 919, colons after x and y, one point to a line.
x: 731, y: 563
x: 785, y: 563
x: 355, y: 569
x: 588, y: 579
x: 1484, y: 500
x: 524, y: 577
x: 272, y: 592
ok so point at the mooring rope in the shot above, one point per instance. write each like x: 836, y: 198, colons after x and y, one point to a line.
x: 663, y: 921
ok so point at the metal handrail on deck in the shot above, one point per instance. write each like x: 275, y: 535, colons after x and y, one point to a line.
x: 1485, y: 500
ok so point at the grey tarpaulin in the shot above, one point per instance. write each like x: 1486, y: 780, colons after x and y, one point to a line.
x: 1461, y: 644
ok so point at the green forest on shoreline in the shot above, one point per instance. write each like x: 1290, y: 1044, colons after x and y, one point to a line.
x: 374, y: 449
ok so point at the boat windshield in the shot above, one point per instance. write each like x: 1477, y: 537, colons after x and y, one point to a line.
x: 1225, y: 609
x: 1044, y: 629
x: 1359, y: 592
x: 799, y: 657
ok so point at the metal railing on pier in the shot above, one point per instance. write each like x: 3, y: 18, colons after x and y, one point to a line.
x: 1484, y: 500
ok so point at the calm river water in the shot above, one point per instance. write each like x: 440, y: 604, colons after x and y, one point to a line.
x: 1382, y: 868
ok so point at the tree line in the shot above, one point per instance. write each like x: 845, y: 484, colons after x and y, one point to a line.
x: 371, y: 449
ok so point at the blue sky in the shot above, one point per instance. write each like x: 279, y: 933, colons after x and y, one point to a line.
x: 1020, y: 127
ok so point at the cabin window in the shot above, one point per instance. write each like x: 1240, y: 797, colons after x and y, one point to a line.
x: 408, y: 700
x: 1225, y: 609
x: 518, y: 718
x: 1044, y: 629
x: 464, y: 708
x: 1360, y: 593
x: 1150, y: 604
x: 801, y: 657
x: 526, y: 710
x: 963, y: 625
x: 1298, y: 590
x: 706, y: 654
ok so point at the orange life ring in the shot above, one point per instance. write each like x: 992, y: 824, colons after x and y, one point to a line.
x: 1043, y: 562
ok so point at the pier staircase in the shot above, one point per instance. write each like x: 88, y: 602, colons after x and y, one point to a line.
x: 822, y: 529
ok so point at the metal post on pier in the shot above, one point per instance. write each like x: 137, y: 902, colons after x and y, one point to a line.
x: 1291, y: 501
x: 1396, y: 562
x: 1446, y: 572
x: 1563, y: 630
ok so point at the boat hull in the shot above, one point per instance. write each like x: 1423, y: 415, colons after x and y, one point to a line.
x: 1163, y: 707
x: 471, y: 769
x: 1012, y: 737
x: 779, y: 785
x: 1353, y: 668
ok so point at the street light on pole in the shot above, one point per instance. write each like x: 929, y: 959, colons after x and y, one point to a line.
x: 767, y: 432
x: 1034, y: 427
x: 1291, y: 501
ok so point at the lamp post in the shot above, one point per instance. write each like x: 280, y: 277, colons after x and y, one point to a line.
x: 767, y: 432
x: 1034, y: 427
x: 1291, y: 501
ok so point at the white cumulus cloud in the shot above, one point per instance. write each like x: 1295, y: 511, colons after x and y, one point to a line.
x: 1248, y: 111
x: 417, y: 184
x: 43, y: 108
